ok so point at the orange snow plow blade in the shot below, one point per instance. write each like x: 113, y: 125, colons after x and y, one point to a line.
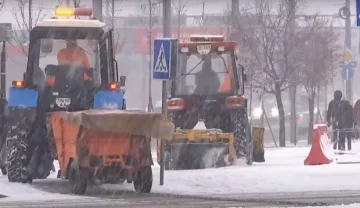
x: 109, y: 145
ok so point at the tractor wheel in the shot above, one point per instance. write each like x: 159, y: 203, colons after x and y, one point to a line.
x: 78, y: 178
x: 250, y: 143
x: 143, y: 180
x: 16, y: 155
x: 240, y: 125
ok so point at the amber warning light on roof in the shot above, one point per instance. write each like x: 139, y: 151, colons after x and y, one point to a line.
x: 68, y: 12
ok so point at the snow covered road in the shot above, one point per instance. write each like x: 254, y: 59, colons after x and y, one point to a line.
x: 283, y: 177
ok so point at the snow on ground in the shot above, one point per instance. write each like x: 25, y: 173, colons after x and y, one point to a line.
x: 24, y: 192
x: 283, y: 171
x: 334, y: 206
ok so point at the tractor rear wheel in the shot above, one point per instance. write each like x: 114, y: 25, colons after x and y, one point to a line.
x: 250, y: 143
x: 16, y: 154
x: 242, y: 134
x: 143, y: 180
x: 78, y: 178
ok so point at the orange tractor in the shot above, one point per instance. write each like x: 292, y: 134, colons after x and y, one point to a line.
x: 207, y: 106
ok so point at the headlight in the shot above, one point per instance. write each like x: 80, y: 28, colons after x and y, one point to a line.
x: 257, y: 112
x: 274, y: 112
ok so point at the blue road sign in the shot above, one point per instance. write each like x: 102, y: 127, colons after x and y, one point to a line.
x: 347, y: 72
x: 162, y: 59
x: 358, y: 13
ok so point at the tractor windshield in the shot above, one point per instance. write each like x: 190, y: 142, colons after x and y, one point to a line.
x: 75, y: 53
x: 203, y: 73
x: 74, y: 48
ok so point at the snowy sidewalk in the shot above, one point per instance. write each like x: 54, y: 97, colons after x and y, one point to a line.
x: 283, y: 171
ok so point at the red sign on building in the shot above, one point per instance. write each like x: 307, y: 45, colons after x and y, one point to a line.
x: 141, y: 36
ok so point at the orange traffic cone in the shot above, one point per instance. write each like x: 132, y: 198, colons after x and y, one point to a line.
x: 316, y: 155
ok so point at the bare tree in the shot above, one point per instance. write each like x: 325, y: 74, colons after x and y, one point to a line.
x: 319, y: 55
x: 116, y: 7
x: 2, y: 3
x: 26, y: 16
x: 272, y: 45
x: 148, y: 20
x: 180, y: 9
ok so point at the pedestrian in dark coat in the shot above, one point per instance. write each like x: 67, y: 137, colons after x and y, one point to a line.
x: 346, y: 124
x: 332, y: 116
x: 357, y: 119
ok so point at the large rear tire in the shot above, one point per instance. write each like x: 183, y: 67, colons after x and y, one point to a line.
x: 16, y: 156
x: 78, y: 178
x: 20, y: 128
x: 250, y: 143
x: 241, y: 127
x: 143, y: 180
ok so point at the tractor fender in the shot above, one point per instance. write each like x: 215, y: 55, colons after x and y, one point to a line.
x: 109, y: 99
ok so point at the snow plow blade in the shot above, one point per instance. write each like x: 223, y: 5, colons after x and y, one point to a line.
x: 108, y: 145
x: 198, y: 149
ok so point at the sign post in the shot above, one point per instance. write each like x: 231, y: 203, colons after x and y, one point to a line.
x: 348, y: 67
x: 358, y: 13
x: 165, y: 60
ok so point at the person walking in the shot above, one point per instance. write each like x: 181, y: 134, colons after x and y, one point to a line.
x: 333, y: 115
x: 357, y: 119
x: 346, y: 124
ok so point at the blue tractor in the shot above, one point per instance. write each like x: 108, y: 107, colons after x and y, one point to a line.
x: 48, y: 87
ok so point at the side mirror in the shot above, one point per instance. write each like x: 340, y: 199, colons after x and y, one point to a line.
x: 122, y: 81
x: 47, y: 45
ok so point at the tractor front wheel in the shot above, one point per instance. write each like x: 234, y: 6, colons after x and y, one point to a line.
x: 78, y: 178
x: 143, y: 180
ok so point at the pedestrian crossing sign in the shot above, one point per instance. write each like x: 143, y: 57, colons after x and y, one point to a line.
x: 160, y: 65
x: 162, y: 59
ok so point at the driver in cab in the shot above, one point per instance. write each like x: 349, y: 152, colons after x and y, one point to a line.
x: 74, y: 55
x: 207, y: 80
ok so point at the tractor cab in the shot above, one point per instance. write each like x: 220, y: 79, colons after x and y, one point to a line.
x: 208, y: 66
x: 70, y: 60
x: 208, y: 79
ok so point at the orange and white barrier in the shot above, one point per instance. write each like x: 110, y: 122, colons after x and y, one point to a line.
x: 316, y: 155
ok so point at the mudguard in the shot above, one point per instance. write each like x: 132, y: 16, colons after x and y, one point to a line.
x: 22, y: 114
x: 109, y: 99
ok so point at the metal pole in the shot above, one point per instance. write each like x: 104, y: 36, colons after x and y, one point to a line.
x: 150, y: 101
x: 113, y: 15
x: 30, y: 16
x: 235, y: 7
x: 292, y: 89
x: 97, y: 9
x: 166, y: 34
x: 348, y: 83
x: 3, y: 69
